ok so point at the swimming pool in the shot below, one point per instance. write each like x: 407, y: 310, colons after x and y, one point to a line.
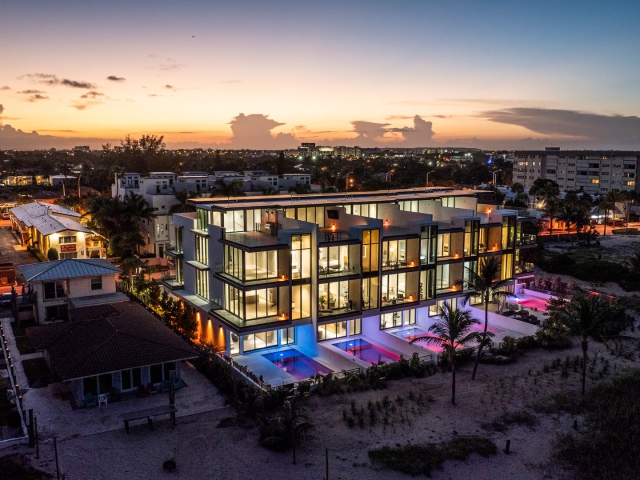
x: 296, y: 364
x: 366, y: 351
x: 411, y: 333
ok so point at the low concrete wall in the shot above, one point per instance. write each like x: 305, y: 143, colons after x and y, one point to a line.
x: 501, y: 321
x: 536, y: 294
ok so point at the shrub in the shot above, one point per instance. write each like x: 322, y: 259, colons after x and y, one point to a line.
x: 52, y: 254
x: 422, y: 459
x: 599, y: 271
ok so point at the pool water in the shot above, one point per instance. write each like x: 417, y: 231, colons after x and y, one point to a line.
x: 296, y: 364
x: 366, y: 351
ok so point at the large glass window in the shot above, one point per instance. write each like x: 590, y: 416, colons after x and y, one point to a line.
x: 261, y: 303
x: 428, y: 244
x: 370, y: 293
x: 335, y: 296
x: 427, y: 284
x: 234, y: 221
x: 260, y: 265
x: 336, y: 260
x: 390, y: 320
x: 394, y: 253
x: 179, y: 247
x: 202, y: 283
x: 442, y: 276
x: 287, y: 336
x: 300, y: 256
x: 444, y: 245
x: 508, y: 232
x: 471, y: 237
x: 301, y: 301
x: 202, y: 249
x: 394, y: 287
x: 370, y: 250
x: 203, y: 218
x: 329, y: 331
x: 234, y: 263
x: 234, y: 300
x: 255, y: 341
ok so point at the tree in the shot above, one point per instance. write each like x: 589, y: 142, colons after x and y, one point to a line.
x: 550, y: 211
x: 517, y: 188
x: 634, y: 265
x: 544, y: 189
x: 588, y: 317
x: 182, y: 197
x: 270, y: 191
x: 300, y: 189
x: 229, y: 189
x: 485, y: 284
x: 567, y: 214
x: 451, y: 331
x: 52, y: 254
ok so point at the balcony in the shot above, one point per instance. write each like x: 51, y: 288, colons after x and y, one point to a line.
x: 172, y: 283
x: 173, y: 250
x: 524, y: 267
x: 526, y: 240
x: 399, y: 299
x: 336, y: 271
x: 282, y: 320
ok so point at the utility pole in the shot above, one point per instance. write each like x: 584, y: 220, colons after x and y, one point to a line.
x: 427, y: 184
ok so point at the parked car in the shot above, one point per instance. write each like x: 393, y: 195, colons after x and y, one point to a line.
x: 5, y: 300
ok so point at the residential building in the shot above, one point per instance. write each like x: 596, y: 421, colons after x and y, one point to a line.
x: 294, y: 272
x: 110, y: 349
x: 44, y: 226
x: 593, y: 171
x: 57, y: 286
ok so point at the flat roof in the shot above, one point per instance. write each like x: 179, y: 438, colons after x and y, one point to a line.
x: 380, y: 196
x: 253, y: 239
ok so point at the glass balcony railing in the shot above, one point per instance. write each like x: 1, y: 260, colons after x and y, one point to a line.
x: 524, y: 267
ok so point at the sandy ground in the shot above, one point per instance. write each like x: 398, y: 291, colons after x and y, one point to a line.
x: 203, y: 451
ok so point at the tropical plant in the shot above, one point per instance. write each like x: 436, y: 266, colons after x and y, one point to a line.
x: 451, y: 331
x: 270, y: 191
x: 182, y: 196
x: 228, y: 189
x: 550, y: 211
x: 52, y: 254
x: 487, y: 285
x: 588, y: 317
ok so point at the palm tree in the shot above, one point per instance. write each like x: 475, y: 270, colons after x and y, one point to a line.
x: 270, y: 191
x: 485, y: 284
x: 567, y: 214
x: 137, y: 209
x: 182, y: 197
x: 586, y: 317
x: 451, y: 330
x: 229, y: 189
x: 550, y: 211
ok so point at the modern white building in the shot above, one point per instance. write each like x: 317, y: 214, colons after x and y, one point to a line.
x: 306, y: 277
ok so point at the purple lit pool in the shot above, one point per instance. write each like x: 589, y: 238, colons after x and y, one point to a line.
x: 366, y: 351
x: 296, y: 364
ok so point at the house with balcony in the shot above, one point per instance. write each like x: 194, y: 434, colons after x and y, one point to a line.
x: 297, y: 285
x: 53, y: 288
x: 44, y: 226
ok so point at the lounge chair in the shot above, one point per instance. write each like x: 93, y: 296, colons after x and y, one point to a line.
x: 164, y: 386
x: 89, y: 400
x: 151, y: 388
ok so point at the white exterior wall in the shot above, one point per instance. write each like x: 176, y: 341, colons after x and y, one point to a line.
x: 81, y: 287
x: 54, y: 242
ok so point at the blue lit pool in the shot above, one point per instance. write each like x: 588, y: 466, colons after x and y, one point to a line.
x: 409, y: 334
x: 366, y: 351
x: 296, y: 364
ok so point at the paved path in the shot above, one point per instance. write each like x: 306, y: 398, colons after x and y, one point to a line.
x: 8, y: 252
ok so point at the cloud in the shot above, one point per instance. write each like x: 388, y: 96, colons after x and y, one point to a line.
x: 37, y: 97
x: 16, y: 138
x: 1, y: 108
x: 153, y: 95
x: 399, y: 117
x: 409, y: 102
x: 51, y: 79
x: 231, y: 82
x: 77, y: 84
x: 254, y: 131
x: 83, y: 106
x: 579, y: 128
x: 171, y: 66
x: 43, y: 78
x: 113, y: 78
x: 92, y: 94
x: 170, y: 87
x: 5, y: 87
x: 31, y: 92
x: 420, y: 134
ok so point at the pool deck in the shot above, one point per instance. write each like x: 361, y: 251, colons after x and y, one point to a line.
x: 275, y: 376
x: 399, y: 347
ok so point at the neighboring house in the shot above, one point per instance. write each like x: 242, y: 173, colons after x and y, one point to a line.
x: 56, y: 287
x: 117, y: 346
x: 44, y: 226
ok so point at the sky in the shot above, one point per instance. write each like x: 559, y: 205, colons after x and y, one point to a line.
x: 256, y: 74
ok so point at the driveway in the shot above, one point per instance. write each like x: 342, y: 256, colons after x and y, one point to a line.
x: 11, y: 251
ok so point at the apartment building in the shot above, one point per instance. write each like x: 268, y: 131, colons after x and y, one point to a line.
x: 298, y: 277
x: 594, y: 172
